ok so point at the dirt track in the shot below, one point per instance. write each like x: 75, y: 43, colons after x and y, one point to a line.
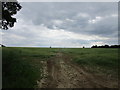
x: 59, y: 72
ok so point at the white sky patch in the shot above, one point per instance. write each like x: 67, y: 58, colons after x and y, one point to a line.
x: 114, y: 15
x: 1, y: 33
x: 110, y: 16
x: 84, y: 15
x: 98, y: 43
x: 61, y: 34
x: 1, y: 37
x: 54, y: 27
x: 49, y: 37
x: 67, y: 0
x: 71, y: 35
x: 69, y: 20
x: 97, y: 19
x: 57, y: 22
x: 16, y: 37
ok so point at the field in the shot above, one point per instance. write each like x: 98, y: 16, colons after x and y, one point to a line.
x: 59, y: 67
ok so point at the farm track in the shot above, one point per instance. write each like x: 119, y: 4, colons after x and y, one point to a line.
x: 60, y: 72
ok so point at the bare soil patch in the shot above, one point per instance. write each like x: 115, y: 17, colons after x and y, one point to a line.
x: 60, y: 72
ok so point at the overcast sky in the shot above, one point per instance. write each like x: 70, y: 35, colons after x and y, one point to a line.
x: 64, y: 24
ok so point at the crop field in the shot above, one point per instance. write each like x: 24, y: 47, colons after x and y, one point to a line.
x: 27, y: 67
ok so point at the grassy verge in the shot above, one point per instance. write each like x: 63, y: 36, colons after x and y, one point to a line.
x: 99, y: 60
x: 22, y: 66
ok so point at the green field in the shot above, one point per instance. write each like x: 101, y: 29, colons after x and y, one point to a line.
x: 95, y: 58
x: 22, y: 66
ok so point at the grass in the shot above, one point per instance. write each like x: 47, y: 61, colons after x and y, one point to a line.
x: 22, y: 66
x: 100, y: 60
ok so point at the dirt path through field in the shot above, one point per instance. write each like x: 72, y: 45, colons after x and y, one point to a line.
x: 60, y: 72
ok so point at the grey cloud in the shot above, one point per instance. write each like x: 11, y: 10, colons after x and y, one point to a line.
x: 46, y: 12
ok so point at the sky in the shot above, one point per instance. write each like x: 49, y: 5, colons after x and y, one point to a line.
x: 64, y: 24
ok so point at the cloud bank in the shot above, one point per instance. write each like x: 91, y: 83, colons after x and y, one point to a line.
x: 64, y: 24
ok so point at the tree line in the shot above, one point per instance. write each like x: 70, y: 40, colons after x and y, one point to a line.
x: 106, y: 46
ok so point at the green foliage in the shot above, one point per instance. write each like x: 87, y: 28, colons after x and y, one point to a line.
x: 17, y: 72
x: 96, y: 59
x: 8, y: 10
x: 22, y: 66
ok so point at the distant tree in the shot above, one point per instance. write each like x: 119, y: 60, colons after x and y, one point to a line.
x: 8, y: 10
x: 94, y: 46
x: 2, y: 45
x: 83, y: 47
x: 115, y: 46
x: 106, y: 46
